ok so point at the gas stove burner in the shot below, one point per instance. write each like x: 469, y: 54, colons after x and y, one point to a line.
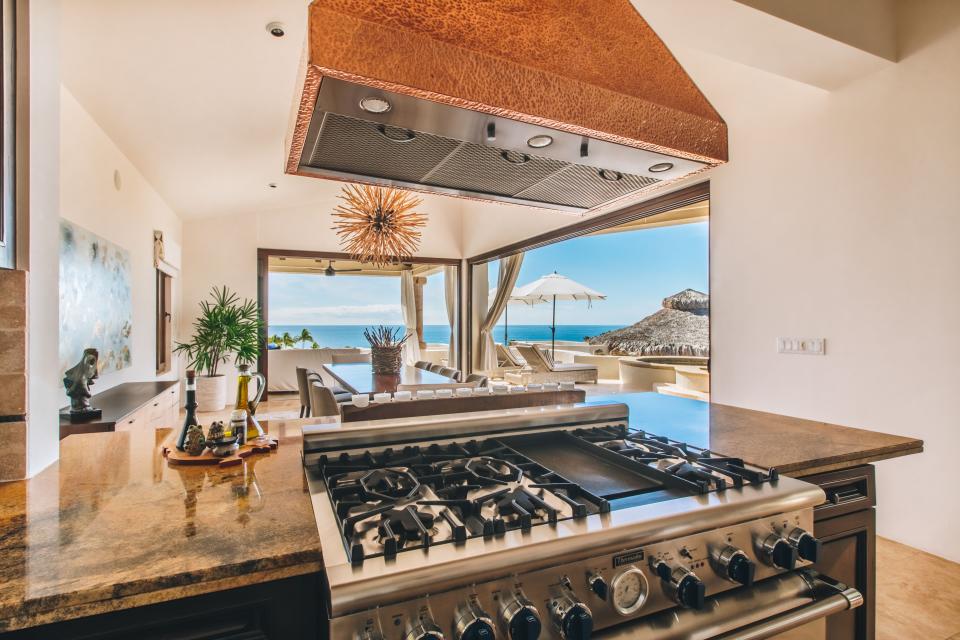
x: 623, y: 445
x: 493, y: 469
x: 523, y: 506
x: 694, y: 473
x: 389, y: 484
x: 398, y: 526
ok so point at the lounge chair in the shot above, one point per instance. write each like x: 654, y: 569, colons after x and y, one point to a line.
x: 449, y: 372
x: 543, y: 369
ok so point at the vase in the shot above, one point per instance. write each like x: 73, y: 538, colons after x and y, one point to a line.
x: 211, y: 393
x: 386, y: 360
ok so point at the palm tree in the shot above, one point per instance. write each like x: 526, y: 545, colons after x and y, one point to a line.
x: 304, y: 337
x: 288, y: 340
x: 315, y: 345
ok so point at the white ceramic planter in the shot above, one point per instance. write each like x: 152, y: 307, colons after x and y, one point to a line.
x: 211, y: 393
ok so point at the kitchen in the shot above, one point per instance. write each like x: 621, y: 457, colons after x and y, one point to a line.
x: 111, y: 540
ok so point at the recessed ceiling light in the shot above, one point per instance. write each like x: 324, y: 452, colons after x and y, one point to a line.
x: 660, y: 167
x: 373, y: 104
x: 276, y: 29
x: 539, y: 142
x: 272, y: 185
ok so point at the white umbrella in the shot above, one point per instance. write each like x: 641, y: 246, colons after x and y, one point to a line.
x: 513, y: 299
x: 555, y: 287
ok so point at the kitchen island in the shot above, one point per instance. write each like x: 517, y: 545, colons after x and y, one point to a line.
x: 111, y: 528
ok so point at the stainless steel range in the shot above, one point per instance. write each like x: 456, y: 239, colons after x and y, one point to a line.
x: 557, y: 522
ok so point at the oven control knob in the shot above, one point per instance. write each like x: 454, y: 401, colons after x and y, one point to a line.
x: 598, y: 585
x: 572, y: 618
x: 806, y: 545
x: 734, y: 565
x: 681, y: 584
x: 520, y: 617
x: 778, y: 552
x: 472, y: 623
x: 425, y: 630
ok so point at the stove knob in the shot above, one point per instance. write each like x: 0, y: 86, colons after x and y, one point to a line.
x: 521, y: 618
x: 681, y: 584
x: 573, y: 618
x: 598, y: 585
x: 806, y: 545
x: 778, y: 552
x: 734, y: 565
x: 425, y: 630
x: 472, y: 623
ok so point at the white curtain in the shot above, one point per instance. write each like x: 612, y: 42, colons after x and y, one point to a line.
x: 450, y: 297
x: 506, y: 281
x: 408, y: 306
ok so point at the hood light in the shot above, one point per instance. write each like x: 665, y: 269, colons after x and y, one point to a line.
x: 610, y: 176
x: 374, y: 105
x: 660, y: 167
x: 539, y: 142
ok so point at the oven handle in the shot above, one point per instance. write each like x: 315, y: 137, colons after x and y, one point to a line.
x: 768, y: 608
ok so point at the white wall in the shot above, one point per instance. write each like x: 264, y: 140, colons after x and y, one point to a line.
x: 126, y: 216
x: 860, y: 247
x: 44, y: 386
x: 838, y: 216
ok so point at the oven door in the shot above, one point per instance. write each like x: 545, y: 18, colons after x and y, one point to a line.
x: 791, y: 606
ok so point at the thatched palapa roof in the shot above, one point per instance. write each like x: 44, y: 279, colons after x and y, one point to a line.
x: 680, y: 328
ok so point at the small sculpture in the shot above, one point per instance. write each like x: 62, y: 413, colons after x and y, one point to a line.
x: 77, y: 380
x: 215, y: 433
x: 195, y: 442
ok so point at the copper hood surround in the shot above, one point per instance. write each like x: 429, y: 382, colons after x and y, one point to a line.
x: 561, y: 104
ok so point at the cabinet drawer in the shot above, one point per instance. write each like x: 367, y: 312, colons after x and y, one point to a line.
x: 132, y: 421
x: 848, y: 491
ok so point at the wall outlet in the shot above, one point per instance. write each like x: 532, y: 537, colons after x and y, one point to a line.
x: 805, y: 346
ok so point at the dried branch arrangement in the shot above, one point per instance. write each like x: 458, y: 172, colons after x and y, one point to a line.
x: 385, y: 337
x: 378, y: 225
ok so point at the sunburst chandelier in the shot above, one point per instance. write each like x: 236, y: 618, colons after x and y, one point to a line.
x: 378, y: 225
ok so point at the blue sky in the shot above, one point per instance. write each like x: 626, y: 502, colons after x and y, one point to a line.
x: 635, y: 269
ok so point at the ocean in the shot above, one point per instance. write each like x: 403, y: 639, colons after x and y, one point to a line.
x: 349, y: 335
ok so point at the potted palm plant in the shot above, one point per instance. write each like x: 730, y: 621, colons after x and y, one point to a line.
x: 227, y: 327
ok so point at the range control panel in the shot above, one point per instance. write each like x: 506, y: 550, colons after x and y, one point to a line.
x: 570, y: 601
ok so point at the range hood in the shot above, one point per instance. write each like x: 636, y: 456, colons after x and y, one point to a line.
x: 561, y: 104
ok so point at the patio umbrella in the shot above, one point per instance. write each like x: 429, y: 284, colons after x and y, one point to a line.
x: 513, y: 299
x: 553, y: 287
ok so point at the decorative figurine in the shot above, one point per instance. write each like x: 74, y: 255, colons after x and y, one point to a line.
x: 195, y: 443
x: 77, y: 380
x: 215, y: 432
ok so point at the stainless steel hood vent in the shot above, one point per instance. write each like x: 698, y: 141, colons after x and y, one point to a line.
x: 429, y: 146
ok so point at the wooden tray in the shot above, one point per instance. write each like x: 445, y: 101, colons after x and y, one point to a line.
x: 263, y: 444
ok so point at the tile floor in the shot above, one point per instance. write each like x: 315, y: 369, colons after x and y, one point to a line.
x: 918, y: 594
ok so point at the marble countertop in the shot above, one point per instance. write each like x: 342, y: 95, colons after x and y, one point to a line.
x: 112, y: 526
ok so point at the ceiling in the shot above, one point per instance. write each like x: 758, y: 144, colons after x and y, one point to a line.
x: 196, y: 93
x: 299, y: 264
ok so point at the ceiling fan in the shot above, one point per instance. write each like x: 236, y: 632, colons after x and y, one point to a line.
x: 330, y: 271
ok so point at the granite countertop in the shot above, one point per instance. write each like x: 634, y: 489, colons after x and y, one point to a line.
x: 112, y: 526
x: 793, y: 446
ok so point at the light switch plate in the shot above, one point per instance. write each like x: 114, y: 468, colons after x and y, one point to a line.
x: 802, y: 346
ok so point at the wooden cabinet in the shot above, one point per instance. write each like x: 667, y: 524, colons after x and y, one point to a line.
x: 846, y: 525
x: 286, y: 609
x: 130, y: 406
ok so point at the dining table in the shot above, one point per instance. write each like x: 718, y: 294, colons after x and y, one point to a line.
x: 359, y: 378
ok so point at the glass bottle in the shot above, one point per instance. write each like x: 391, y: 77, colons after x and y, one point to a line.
x: 191, y: 407
x: 245, y: 403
